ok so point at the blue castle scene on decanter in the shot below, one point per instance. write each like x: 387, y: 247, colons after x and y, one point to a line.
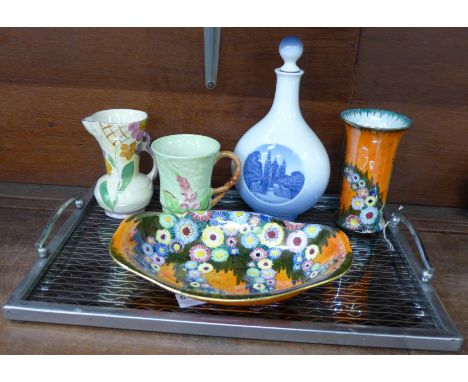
x: 273, y: 174
x: 284, y: 167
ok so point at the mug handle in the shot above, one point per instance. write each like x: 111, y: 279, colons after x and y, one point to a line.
x: 219, y: 192
x: 147, y: 147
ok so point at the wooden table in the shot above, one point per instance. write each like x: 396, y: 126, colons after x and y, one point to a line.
x: 25, y: 209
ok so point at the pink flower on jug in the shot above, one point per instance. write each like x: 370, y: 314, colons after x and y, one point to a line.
x: 189, y: 196
x: 135, y: 131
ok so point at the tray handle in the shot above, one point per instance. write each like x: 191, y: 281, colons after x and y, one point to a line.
x: 41, y: 248
x: 428, y: 271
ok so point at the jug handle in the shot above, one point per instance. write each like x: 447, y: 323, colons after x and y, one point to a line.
x: 147, y: 147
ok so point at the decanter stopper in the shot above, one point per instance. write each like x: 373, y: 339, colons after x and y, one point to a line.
x: 290, y: 49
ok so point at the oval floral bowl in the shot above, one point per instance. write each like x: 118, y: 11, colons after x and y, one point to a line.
x: 230, y: 257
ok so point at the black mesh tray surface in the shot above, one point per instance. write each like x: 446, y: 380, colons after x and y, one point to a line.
x: 381, y: 301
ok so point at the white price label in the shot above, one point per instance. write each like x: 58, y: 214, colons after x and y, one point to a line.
x: 185, y: 302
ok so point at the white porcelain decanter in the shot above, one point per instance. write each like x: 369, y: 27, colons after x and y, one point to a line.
x: 285, y: 168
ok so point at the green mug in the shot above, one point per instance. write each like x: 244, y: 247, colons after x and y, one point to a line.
x: 185, y: 163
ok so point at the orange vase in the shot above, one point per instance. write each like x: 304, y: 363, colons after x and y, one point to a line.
x: 372, y: 140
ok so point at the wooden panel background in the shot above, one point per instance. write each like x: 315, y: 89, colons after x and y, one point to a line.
x: 51, y: 78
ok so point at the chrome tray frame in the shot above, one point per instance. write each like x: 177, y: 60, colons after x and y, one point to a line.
x: 333, y: 314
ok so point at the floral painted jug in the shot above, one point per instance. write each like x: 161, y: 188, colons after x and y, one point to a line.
x: 285, y: 168
x: 121, y: 134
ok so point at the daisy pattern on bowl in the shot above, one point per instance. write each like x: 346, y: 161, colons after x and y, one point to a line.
x: 159, y: 260
x: 219, y: 255
x: 167, y: 220
x: 161, y: 249
x: 268, y: 273
x: 274, y: 253
x: 313, y: 274
x: 230, y: 228
x: 292, y: 226
x: 194, y: 273
x: 155, y: 267
x: 311, y: 251
x: 253, y: 272
x: 200, y: 253
x: 201, y: 216
x: 298, y: 258
x: 296, y: 241
x: 307, y: 265
x: 312, y: 230
x: 163, y: 236
x: 151, y: 240
x: 231, y: 241
x: 239, y: 217
x: 258, y: 254
x: 191, y: 265
x: 255, y: 220
x: 233, y: 251
x: 147, y: 249
x: 244, y: 229
x: 218, y: 218
x: 271, y: 235
x: 265, y: 264
x: 212, y: 236
x: 259, y: 287
x: 176, y: 246
x: 186, y: 231
x: 205, y: 268
x: 250, y: 240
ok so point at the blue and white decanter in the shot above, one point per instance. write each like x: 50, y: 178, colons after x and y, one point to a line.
x: 285, y: 168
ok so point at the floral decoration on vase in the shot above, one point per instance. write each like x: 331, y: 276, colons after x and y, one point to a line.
x: 364, y: 213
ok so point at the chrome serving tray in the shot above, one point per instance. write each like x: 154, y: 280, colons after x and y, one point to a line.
x: 385, y: 300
